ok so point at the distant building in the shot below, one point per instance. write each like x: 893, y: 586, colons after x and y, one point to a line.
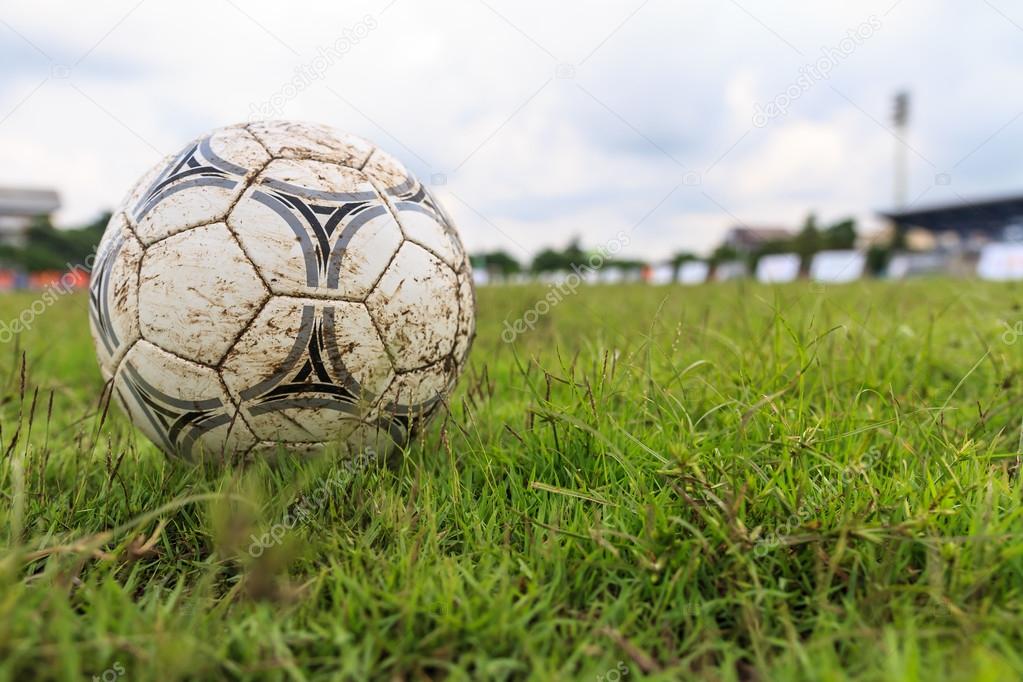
x: 19, y: 207
x: 746, y: 240
x: 972, y: 223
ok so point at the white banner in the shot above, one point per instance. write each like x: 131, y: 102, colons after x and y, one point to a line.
x: 837, y: 266
x: 778, y: 267
x: 662, y: 274
x: 693, y: 272
x: 1001, y: 262
x: 733, y: 269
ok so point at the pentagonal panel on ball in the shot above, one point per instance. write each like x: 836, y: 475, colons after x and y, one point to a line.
x: 113, y: 294
x: 179, y: 405
x: 413, y: 397
x: 415, y: 307
x: 390, y: 176
x: 316, y: 228
x: 199, y: 185
x: 197, y: 291
x: 291, y: 140
x: 449, y: 224
x: 304, y: 366
x: 423, y: 224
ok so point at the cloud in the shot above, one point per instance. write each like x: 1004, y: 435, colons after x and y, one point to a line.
x: 546, y: 121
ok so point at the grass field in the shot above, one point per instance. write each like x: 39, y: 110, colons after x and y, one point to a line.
x: 729, y: 482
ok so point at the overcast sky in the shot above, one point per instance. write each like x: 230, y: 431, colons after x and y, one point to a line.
x: 538, y: 121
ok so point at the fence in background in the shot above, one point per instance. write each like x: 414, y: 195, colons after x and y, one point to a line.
x: 1000, y: 262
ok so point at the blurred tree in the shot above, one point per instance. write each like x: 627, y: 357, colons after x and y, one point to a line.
x: 807, y: 242
x: 548, y: 260
x: 841, y: 235
x: 683, y: 257
x: 899, y: 238
x: 633, y: 267
x: 574, y: 255
x: 552, y: 260
x: 768, y: 248
x: 723, y: 254
x: 678, y: 260
x: 498, y: 264
x: 878, y: 258
x: 47, y: 248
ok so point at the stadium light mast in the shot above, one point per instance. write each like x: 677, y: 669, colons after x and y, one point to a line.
x: 901, y: 120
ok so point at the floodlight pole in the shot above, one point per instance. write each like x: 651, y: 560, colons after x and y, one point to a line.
x: 901, y: 120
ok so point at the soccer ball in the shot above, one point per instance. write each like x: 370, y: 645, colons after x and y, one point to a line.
x: 280, y: 284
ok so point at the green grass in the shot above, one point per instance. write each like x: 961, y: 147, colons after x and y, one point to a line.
x: 729, y: 482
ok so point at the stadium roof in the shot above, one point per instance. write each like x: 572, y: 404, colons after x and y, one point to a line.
x: 28, y: 202
x: 965, y: 217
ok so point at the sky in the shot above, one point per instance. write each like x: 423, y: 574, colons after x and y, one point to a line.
x: 537, y: 122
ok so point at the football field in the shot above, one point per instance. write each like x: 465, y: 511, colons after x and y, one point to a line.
x: 724, y: 482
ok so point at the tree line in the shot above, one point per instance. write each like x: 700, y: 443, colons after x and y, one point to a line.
x: 47, y: 248
x: 808, y: 241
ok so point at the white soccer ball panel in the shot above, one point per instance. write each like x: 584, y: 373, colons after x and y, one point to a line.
x: 236, y: 149
x: 389, y: 175
x: 293, y: 140
x: 362, y: 442
x: 140, y: 188
x: 304, y: 364
x: 360, y: 351
x: 199, y: 185
x: 314, y: 180
x: 421, y: 217
x: 306, y: 432
x: 179, y: 405
x: 113, y: 294
x: 422, y: 225
x: 414, y: 395
x: 308, y: 420
x: 415, y: 307
x: 197, y: 291
x: 363, y: 250
x: 466, y: 317
x: 316, y: 228
x: 449, y: 224
x: 376, y: 438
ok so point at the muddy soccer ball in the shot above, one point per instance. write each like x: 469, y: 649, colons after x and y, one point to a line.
x: 280, y: 284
